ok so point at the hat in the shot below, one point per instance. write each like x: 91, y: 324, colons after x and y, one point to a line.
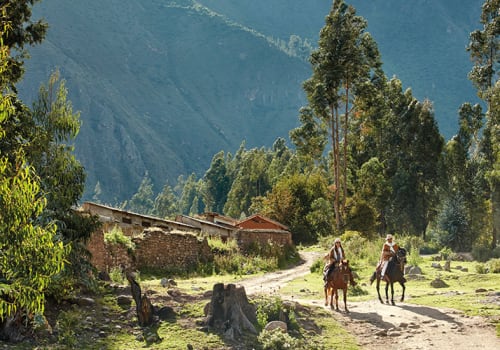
x: 389, y: 236
x: 336, y: 240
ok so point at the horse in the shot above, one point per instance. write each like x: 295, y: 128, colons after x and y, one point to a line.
x: 393, y: 274
x: 336, y: 279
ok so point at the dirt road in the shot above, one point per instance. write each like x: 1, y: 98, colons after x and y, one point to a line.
x: 403, y: 327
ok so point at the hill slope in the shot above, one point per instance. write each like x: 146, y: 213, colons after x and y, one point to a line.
x: 162, y: 86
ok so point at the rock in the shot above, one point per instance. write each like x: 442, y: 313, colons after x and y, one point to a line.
x: 436, y: 266
x: 276, y: 325
x: 447, y: 265
x: 124, y: 301
x: 165, y: 313
x: 438, y: 283
x: 414, y: 270
x: 84, y: 301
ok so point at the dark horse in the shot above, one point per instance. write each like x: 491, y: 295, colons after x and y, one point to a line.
x: 393, y: 274
x: 336, y: 279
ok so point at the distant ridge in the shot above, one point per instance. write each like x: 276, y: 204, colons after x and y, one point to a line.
x: 164, y: 85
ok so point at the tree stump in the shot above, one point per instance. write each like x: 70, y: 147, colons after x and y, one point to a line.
x: 230, y: 312
x: 144, y: 307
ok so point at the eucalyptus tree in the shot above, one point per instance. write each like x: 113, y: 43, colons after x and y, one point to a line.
x: 142, y: 201
x: 30, y: 255
x: 217, y: 184
x: 252, y: 180
x: 310, y: 138
x: 484, y: 48
x: 398, y: 142
x: 165, y: 204
x: 190, y: 197
x: 346, y: 57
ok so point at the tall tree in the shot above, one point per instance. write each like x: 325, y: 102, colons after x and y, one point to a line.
x: 142, y: 201
x: 217, y: 184
x: 251, y: 181
x: 347, y: 56
x: 31, y: 255
x: 165, y: 205
x: 484, y: 48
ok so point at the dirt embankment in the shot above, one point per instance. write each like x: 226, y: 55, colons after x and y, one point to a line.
x: 403, y: 326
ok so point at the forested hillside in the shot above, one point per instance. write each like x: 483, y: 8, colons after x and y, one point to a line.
x: 163, y: 86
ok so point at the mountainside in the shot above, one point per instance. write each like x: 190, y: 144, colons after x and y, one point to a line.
x: 163, y: 85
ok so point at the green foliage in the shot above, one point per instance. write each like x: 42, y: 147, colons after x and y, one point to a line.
x: 274, y: 309
x: 67, y: 323
x: 480, y: 268
x: 279, y: 340
x: 484, y: 253
x: 142, y: 201
x: 116, y: 236
x: 165, y: 204
x: 445, y: 253
x: 217, y: 184
x: 493, y: 265
x: 116, y: 275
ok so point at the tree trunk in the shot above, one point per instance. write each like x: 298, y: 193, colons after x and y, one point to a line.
x: 143, y: 305
x: 230, y: 312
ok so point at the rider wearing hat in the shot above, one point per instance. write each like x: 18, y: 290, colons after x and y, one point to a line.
x: 333, y: 257
x: 389, y: 250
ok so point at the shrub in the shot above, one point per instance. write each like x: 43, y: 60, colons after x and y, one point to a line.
x: 445, y: 253
x: 317, y: 266
x: 275, y: 310
x: 116, y: 236
x: 278, y: 340
x: 116, y: 275
x: 494, y: 265
x: 414, y: 258
x: 484, y: 253
x: 480, y: 269
x: 66, y: 325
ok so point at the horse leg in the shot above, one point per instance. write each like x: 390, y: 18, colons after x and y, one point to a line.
x: 332, y: 294
x: 387, y: 292
x: 403, y: 294
x: 336, y: 299
x: 326, y: 296
x: 378, y: 290
x: 392, y: 294
x: 345, y: 300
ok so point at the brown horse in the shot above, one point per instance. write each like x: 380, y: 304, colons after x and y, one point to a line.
x: 393, y: 274
x: 336, y: 279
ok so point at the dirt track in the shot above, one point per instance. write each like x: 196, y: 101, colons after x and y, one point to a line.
x: 404, y: 326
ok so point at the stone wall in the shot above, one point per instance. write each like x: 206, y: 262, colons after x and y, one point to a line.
x: 246, y: 238
x: 154, y: 248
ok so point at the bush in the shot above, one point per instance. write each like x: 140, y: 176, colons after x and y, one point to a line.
x: 278, y: 340
x: 116, y: 236
x: 494, y: 265
x: 445, y: 253
x: 481, y: 269
x: 483, y: 253
x: 275, y: 310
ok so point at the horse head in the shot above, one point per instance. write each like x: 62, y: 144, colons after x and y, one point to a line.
x: 401, y: 255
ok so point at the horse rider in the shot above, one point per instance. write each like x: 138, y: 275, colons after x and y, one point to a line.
x: 333, y: 258
x: 389, y: 250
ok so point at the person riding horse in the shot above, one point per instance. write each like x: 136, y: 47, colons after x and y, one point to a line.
x: 389, y: 250
x: 334, y: 257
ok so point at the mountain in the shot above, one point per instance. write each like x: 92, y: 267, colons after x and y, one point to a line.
x: 164, y: 85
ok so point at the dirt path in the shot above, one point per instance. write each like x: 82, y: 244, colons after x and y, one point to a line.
x: 403, y: 327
